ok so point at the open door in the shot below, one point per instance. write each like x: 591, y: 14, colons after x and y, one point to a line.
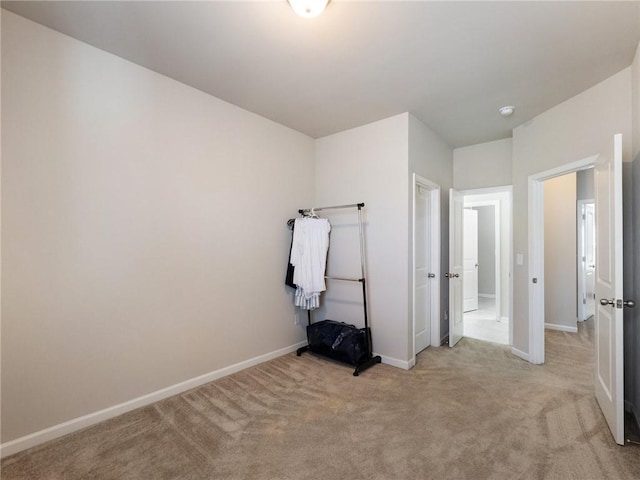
x: 470, y: 261
x: 609, y: 384
x: 422, y: 268
x: 590, y: 260
x: 455, y: 275
x: 586, y: 259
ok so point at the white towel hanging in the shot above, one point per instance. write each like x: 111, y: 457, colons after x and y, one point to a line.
x: 309, y: 257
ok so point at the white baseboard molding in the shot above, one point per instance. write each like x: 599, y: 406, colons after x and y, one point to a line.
x: 51, y: 433
x: 487, y: 295
x: 520, y: 354
x: 394, y: 362
x: 562, y: 328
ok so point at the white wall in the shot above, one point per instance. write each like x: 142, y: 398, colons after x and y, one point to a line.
x: 585, y: 184
x: 486, y: 250
x: 431, y: 158
x: 483, y: 165
x: 368, y: 164
x: 144, y: 237
x: 487, y: 165
x: 560, y: 252
x: 571, y: 131
x: 374, y: 164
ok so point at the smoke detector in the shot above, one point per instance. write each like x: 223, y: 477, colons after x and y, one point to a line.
x: 506, y: 110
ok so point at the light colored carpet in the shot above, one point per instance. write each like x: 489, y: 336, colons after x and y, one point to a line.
x: 474, y: 412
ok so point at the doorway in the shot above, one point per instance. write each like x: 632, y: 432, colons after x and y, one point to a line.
x: 608, y: 319
x: 560, y: 253
x: 569, y: 250
x: 455, y: 275
x: 486, y: 285
x: 426, y: 264
x: 537, y: 253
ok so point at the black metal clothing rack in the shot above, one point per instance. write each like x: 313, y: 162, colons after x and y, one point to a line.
x: 369, y: 358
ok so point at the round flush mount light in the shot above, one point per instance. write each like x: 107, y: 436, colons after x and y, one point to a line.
x: 308, y: 8
x: 507, y: 110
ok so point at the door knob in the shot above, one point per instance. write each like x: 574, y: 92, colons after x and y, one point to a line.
x: 431, y: 275
x: 604, y: 301
x: 447, y: 275
x: 629, y: 303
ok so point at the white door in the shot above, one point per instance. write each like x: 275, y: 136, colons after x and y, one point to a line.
x: 590, y: 260
x: 455, y: 274
x: 586, y: 259
x: 470, y: 260
x: 608, y: 318
x: 422, y: 281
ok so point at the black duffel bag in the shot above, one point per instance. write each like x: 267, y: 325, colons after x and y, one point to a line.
x: 338, y: 340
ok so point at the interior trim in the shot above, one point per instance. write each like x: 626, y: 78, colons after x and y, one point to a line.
x: 51, y: 433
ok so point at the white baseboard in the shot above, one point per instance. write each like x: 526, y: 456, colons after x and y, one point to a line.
x: 562, y: 328
x: 520, y: 354
x: 394, y: 362
x: 37, y: 438
x: 487, y: 295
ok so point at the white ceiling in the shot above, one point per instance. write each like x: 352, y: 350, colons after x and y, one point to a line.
x: 451, y: 64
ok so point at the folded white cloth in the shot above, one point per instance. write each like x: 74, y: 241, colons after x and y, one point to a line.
x: 309, y: 257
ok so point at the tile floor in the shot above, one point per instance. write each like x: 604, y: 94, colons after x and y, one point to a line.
x: 481, y: 324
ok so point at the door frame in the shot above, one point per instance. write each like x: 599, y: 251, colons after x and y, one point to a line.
x: 434, y: 230
x: 536, y: 251
x: 581, y: 224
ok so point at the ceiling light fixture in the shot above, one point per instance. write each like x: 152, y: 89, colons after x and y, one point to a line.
x: 507, y: 110
x: 308, y: 8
